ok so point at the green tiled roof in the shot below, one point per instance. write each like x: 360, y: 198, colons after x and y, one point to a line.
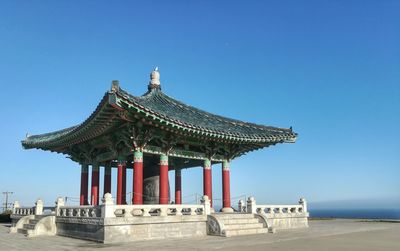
x: 155, y: 102
x: 160, y: 108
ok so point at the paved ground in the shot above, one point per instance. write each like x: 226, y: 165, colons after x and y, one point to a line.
x: 322, y: 235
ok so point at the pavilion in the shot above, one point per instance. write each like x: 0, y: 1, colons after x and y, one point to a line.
x: 153, y: 134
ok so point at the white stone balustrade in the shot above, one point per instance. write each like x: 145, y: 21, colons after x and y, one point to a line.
x: 110, y: 210
x: 279, y: 209
x: 24, y: 211
x: 18, y: 210
x: 252, y: 207
x: 79, y: 211
x: 38, y: 209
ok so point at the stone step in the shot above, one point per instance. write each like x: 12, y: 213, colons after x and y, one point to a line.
x: 240, y: 221
x: 33, y: 221
x: 22, y: 231
x: 223, y: 216
x: 236, y: 232
x: 29, y: 226
x: 244, y: 226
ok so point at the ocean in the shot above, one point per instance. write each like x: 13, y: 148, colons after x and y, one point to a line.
x: 355, y: 213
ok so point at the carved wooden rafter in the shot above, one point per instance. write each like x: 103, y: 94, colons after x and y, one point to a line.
x: 111, y: 144
x: 169, y: 142
x: 139, y: 135
x: 210, y: 149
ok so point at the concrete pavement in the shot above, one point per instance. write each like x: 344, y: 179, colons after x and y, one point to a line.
x: 322, y: 235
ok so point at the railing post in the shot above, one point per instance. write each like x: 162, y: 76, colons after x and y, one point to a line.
x: 59, y: 203
x: 205, y: 201
x: 241, y: 206
x: 39, y: 207
x: 303, y: 203
x: 107, y: 209
x: 163, y: 211
x: 251, y: 205
x: 15, y: 206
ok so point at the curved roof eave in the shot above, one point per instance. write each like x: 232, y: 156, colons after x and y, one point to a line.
x: 53, y: 139
x: 265, y: 134
x: 252, y: 133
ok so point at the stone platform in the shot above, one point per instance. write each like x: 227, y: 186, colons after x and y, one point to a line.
x: 341, y: 235
x: 111, y: 223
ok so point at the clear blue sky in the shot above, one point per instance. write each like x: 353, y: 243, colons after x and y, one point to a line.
x: 330, y: 69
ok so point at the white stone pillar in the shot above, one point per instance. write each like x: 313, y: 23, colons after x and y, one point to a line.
x: 241, y: 206
x: 15, y: 206
x: 303, y: 202
x: 251, y: 205
x: 59, y: 203
x: 107, y: 208
x: 205, y: 201
x: 39, y: 207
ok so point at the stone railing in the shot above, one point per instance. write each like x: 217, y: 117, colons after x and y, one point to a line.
x: 252, y: 207
x: 76, y: 211
x: 110, y: 210
x: 79, y: 211
x: 156, y: 210
x: 38, y: 209
x: 24, y: 211
x: 279, y: 209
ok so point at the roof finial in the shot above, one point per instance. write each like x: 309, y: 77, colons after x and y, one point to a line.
x: 154, y: 79
x: 115, y: 86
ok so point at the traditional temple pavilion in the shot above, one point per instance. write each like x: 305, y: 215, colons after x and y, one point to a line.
x: 152, y: 134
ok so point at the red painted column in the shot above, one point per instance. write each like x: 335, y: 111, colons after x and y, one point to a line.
x: 178, y: 186
x: 163, y: 193
x: 138, y: 178
x: 226, y: 189
x: 119, y: 181
x: 124, y: 184
x: 107, y: 178
x: 83, y: 199
x: 95, y: 185
x: 207, y: 180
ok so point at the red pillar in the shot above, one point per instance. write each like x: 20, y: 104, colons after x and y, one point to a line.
x: 124, y: 184
x: 207, y: 180
x: 138, y: 178
x: 95, y: 185
x: 163, y: 193
x: 226, y: 190
x: 83, y: 200
x: 107, y: 178
x: 119, y: 181
x: 178, y: 186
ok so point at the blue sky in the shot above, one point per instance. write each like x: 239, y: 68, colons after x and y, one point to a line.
x: 330, y: 69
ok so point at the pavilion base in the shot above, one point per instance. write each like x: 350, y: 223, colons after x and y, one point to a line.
x: 116, y: 230
x: 111, y: 223
x: 288, y: 222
